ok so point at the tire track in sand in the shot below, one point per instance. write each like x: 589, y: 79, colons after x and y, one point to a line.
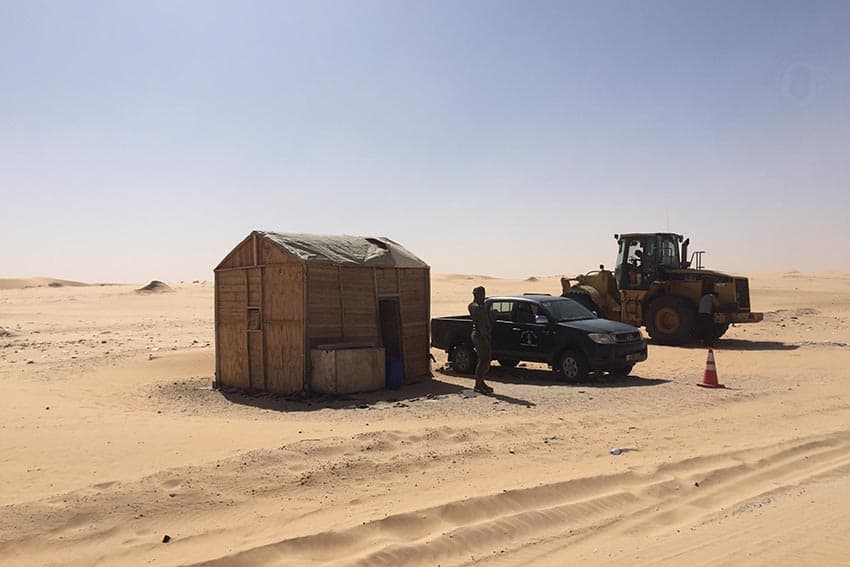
x: 513, y: 521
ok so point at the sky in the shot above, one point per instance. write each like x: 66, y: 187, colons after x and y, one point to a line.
x: 144, y: 140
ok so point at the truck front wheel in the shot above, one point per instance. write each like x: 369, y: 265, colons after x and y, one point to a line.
x: 571, y: 367
x: 464, y: 358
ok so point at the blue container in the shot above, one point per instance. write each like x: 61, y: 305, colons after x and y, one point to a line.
x: 394, y: 372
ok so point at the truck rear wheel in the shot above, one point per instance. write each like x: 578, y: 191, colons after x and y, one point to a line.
x: 464, y: 359
x: 670, y: 320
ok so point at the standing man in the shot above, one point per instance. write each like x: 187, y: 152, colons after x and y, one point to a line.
x: 482, y: 332
x: 708, y: 304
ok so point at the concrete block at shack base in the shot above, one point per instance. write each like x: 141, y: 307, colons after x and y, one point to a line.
x: 342, y: 369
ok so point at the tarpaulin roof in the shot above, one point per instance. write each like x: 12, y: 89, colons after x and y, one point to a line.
x: 359, y: 250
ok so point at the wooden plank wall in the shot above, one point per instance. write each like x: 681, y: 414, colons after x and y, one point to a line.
x: 324, y: 303
x: 283, y: 328
x: 268, y: 253
x: 241, y: 256
x: 231, y: 324
x: 256, y: 361
x: 414, y: 301
x: 360, y: 311
x: 386, y: 281
x: 254, y: 287
x: 342, y: 304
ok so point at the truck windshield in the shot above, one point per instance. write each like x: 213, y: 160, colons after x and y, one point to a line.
x: 568, y: 310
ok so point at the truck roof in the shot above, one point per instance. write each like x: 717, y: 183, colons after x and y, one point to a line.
x: 528, y: 297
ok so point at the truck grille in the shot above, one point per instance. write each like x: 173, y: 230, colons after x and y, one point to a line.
x: 628, y: 337
x: 742, y: 293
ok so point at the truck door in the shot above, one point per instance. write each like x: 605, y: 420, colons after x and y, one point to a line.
x: 534, y: 340
x: 505, y: 340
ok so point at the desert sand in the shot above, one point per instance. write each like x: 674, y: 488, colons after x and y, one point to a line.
x: 111, y: 438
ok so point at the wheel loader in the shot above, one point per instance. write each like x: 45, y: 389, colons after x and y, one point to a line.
x: 655, y: 285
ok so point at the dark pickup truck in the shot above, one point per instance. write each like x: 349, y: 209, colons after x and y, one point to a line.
x: 542, y: 328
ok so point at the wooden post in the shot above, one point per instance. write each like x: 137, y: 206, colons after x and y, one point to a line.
x: 238, y: 268
x: 306, y: 355
x: 262, y: 322
x: 402, y: 343
x: 247, y: 333
x: 377, y: 307
x: 341, y: 302
x: 428, y: 319
x: 217, y: 323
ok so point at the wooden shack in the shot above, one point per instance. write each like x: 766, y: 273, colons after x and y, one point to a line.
x: 281, y: 300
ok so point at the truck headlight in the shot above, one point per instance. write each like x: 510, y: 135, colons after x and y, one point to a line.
x: 602, y: 338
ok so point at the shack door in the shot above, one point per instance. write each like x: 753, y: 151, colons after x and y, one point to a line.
x: 391, y: 338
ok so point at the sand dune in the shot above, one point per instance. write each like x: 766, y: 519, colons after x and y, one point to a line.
x: 155, y: 286
x: 113, y: 439
x: 23, y: 283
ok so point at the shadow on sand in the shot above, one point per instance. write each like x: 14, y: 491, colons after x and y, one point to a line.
x: 423, y: 392
x: 742, y: 345
x: 542, y: 377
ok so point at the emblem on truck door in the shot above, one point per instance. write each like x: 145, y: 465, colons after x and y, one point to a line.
x: 528, y: 338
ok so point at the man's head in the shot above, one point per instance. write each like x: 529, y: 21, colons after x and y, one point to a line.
x: 479, y: 293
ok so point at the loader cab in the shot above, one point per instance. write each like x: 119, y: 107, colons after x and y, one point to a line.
x: 642, y: 258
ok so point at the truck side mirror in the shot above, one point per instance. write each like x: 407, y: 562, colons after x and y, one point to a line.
x: 541, y: 320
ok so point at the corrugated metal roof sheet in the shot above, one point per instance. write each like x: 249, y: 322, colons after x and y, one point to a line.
x: 353, y: 250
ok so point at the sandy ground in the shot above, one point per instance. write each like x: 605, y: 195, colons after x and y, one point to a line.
x: 111, y: 438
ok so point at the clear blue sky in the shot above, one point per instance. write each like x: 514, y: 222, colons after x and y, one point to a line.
x: 143, y: 140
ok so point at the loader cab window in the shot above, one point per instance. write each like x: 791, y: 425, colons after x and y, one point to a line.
x: 669, y: 252
x: 636, y: 263
x: 618, y: 267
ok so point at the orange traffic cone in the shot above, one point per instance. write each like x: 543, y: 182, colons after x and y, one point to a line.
x: 709, y: 377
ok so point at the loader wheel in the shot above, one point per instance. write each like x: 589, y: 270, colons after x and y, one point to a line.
x: 670, y: 320
x: 464, y: 359
x: 718, y: 330
x: 582, y: 299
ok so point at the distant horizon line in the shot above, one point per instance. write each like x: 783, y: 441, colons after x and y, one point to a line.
x: 46, y: 280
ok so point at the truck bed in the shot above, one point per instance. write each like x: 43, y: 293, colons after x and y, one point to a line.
x: 447, y: 330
